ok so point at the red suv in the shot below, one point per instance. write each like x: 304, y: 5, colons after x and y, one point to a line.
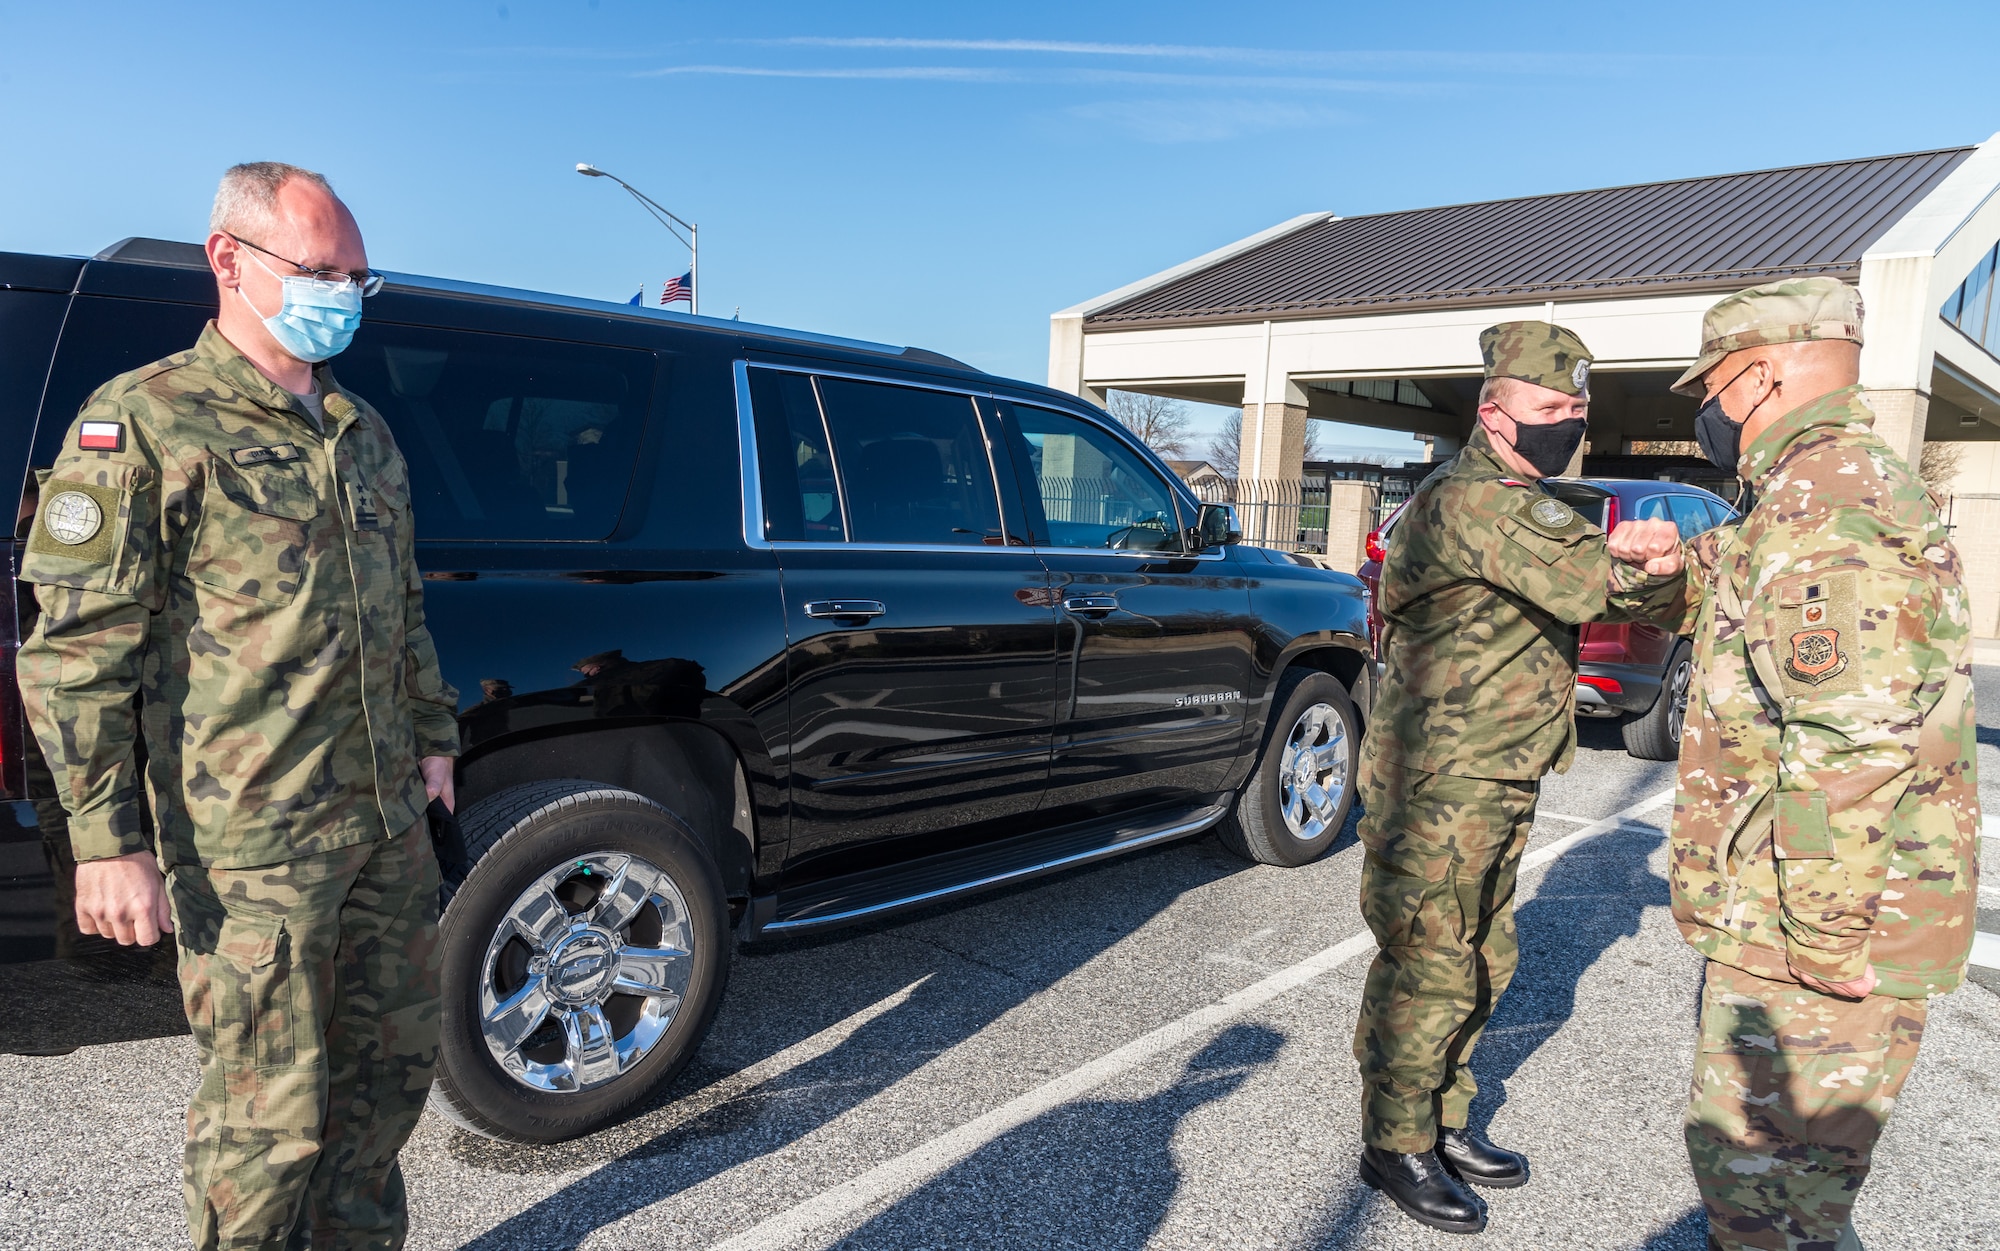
x: 1637, y: 673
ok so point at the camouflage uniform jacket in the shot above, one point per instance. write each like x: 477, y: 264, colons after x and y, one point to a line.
x: 1486, y: 580
x: 219, y: 576
x: 1828, y: 811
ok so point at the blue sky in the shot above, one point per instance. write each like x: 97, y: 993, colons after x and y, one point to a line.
x: 945, y: 175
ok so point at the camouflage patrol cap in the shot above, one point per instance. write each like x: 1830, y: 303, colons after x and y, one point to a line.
x: 1538, y: 352
x: 1796, y: 310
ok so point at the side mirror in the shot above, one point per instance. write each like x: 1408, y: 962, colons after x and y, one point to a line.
x: 1215, y: 525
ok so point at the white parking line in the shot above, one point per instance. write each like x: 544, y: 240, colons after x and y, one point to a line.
x: 925, y: 1162
x: 749, y: 1077
x: 1986, y: 951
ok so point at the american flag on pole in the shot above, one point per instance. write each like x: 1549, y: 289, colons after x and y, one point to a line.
x: 681, y: 288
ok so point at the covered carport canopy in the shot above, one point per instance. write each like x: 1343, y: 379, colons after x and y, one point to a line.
x: 1374, y: 320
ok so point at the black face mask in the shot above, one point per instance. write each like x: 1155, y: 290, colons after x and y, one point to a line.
x: 1548, y: 448
x: 1722, y: 439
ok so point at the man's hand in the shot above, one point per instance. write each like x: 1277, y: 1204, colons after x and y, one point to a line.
x: 123, y: 898
x: 1860, y: 988
x: 437, y: 772
x: 1653, y: 544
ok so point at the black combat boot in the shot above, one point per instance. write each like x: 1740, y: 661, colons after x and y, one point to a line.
x: 1473, y: 1159
x: 1421, y: 1187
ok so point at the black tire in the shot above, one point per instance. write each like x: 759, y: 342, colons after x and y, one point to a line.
x: 1655, y: 734
x: 520, y: 839
x: 1258, y: 828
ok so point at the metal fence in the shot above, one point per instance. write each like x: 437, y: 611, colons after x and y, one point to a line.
x: 1288, y: 514
x: 1394, y: 492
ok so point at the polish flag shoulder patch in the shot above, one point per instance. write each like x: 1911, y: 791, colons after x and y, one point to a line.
x: 101, y: 436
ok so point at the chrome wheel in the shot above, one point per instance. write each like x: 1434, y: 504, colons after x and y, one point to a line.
x: 1312, y: 776
x: 585, y: 972
x: 1677, y: 694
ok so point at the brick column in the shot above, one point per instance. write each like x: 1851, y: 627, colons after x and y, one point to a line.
x: 1975, y: 532
x: 1350, y: 515
x: 1284, y: 445
x: 1900, y: 416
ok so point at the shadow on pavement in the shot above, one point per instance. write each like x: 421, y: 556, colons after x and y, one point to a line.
x: 1056, y: 925
x: 1689, y: 1233
x: 1350, y: 1214
x: 1099, y: 1173
x: 1589, y: 899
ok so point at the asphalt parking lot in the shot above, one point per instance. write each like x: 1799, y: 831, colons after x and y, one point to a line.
x: 1148, y: 1053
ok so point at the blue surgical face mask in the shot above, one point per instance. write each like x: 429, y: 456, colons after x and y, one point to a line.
x: 317, y: 320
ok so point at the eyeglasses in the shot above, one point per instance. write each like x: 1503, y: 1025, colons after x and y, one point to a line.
x: 368, y: 280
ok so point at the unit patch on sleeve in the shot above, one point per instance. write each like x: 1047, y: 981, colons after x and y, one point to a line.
x: 1551, y: 516
x: 77, y: 521
x: 1817, y: 627
x: 100, y: 436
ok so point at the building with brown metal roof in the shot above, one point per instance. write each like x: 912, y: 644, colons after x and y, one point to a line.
x: 1374, y: 320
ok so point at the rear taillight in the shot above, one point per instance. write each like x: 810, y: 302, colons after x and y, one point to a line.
x: 1610, y: 513
x: 1373, y: 546
x: 1610, y: 686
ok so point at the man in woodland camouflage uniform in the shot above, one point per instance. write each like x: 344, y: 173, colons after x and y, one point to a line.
x: 1827, y: 819
x: 223, y: 555
x: 1486, y: 581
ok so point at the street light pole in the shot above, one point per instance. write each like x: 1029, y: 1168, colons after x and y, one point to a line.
x: 692, y: 240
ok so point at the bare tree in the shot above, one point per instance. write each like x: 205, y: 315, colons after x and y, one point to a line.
x: 1225, y: 450
x: 1161, y: 423
x: 1939, y: 465
x: 1316, y: 448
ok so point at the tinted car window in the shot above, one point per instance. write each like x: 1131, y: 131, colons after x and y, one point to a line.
x: 794, y: 459
x: 102, y: 339
x: 912, y: 464
x: 506, y: 438
x: 1652, y: 508
x: 1590, y: 508
x: 1690, y: 514
x: 1094, y: 491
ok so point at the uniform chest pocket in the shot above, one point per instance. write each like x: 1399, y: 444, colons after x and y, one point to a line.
x: 252, y: 538
x: 391, y: 497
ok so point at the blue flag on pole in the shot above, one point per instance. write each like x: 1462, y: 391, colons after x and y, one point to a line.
x: 639, y: 298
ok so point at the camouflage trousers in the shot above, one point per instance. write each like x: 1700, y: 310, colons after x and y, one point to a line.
x: 312, y: 990
x: 1437, y: 890
x: 1791, y: 1090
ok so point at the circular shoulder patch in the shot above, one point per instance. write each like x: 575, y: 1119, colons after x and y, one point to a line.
x: 72, y: 518
x: 1581, y: 375
x: 1551, y: 513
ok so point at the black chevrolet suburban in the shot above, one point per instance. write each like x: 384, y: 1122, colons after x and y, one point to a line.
x: 756, y: 632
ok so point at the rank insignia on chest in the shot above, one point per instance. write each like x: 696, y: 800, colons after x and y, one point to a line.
x: 1816, y: 654
x: 361, y: 502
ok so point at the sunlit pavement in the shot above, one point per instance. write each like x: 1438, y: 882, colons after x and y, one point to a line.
x: 1149, y: 1053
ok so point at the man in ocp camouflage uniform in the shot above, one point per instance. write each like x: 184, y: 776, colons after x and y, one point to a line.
x: 1827, y: 819
x: 223, y: 555
x: 1486, y: 581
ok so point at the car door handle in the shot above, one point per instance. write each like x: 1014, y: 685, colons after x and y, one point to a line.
x: 845, y: 609
x: 1091, y: 605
